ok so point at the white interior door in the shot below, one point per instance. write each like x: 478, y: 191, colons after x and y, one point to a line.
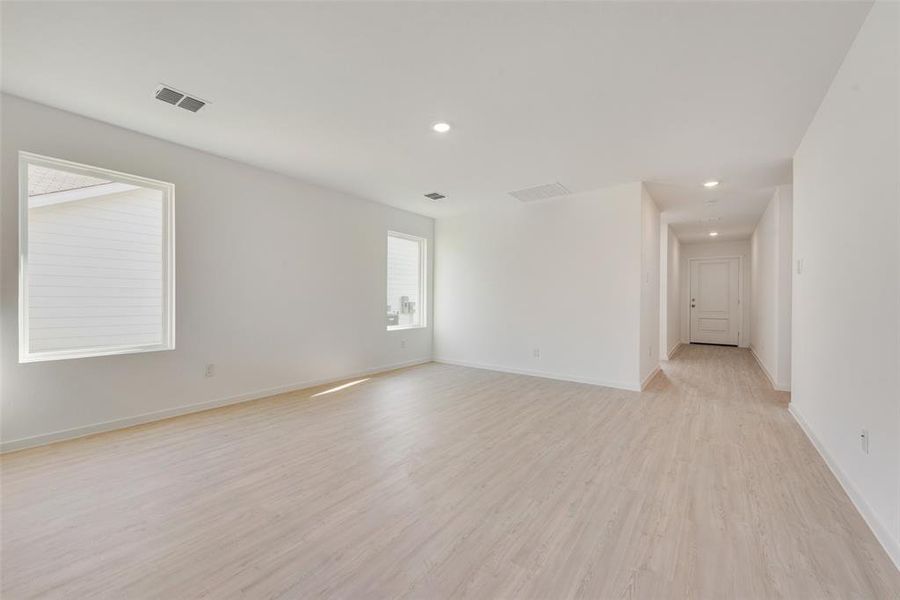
x: 715, y: 301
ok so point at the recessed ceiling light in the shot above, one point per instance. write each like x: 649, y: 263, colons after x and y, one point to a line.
x: 711, y: 184
x: 441, y: 127
x: 713, y: 233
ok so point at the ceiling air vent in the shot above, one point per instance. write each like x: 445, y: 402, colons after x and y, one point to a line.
x: 540, y: 192
x: 435, y: 196
x: 170, y: 95
x: 191, y: 104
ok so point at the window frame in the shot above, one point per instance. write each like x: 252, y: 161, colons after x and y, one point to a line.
x: 168, y: 260
x: 423, y: 277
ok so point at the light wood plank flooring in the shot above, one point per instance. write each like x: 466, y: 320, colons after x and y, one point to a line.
x: 441, y: 481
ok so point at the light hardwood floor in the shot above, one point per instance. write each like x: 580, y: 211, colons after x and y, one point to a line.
x: 441, y: 481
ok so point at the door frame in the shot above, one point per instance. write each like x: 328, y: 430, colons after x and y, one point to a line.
x: 740, y: 292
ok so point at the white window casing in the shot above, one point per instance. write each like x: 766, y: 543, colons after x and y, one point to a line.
x: 406, y: 301
x: 96, y: 261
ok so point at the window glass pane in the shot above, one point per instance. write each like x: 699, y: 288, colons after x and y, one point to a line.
x: 404, y: 285
x: 95, y: 263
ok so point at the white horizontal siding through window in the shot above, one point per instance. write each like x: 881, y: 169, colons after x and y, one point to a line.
x: 97, y: 251
x: 95, y: 272
x: 405, y: 281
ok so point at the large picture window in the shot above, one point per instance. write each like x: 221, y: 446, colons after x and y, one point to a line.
x: 96, y: 269
x: 405, y: 281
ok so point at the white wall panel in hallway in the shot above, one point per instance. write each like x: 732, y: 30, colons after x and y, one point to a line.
x: 770, y: 280
x: 846, y: 311
x: 650, y: 283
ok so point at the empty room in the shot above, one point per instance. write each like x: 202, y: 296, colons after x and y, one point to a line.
x: 432, y: 300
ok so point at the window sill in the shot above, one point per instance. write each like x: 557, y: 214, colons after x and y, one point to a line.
x: 405, y: 327
x: 70, y: 354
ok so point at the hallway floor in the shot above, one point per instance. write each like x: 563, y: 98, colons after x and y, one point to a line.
x: 441, y: 481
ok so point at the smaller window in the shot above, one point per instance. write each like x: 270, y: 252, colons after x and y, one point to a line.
x: 96, y: 265
x: 405, y: 281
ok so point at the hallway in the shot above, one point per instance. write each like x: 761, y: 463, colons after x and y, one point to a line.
x: 443, y: 481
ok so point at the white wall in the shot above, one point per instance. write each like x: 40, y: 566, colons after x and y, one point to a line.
x: 764, y: 290
x: 562, y: 276
x: 846, y: 315
x: 785, y: 283
x: 770, y: 284
x: 670, y: 291
x: 739, y: 248
x: 649, y: 286
x: 279, y: 283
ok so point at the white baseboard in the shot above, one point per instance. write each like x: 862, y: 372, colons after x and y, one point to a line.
x: 671, y: 352
x: 633, y: 387
x: 77, y: 432
x: 765, y: 370
x: 762, y: 366
x: 882, y: 534
x: 649, y: 377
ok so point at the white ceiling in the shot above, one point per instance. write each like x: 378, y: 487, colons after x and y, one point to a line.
x: 344, y: 94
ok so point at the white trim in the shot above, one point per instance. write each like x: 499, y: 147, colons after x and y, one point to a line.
x: 92, y: 353
x: 649, y: 377
x: 762, y: 366
x: 168, y: 267
x: 765, y: 370
x: 632, y: 387
x: 740, y: 258
x: 159, y: 415
x: 94, y: 191
x: 881, y: 532
x: 671, y: 352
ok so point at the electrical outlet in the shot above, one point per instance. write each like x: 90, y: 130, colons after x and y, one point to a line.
x: 210, y: 370
x: 403, y: 343
x: 650, y: 351
x: 864, y: 441
x: 536, y: 352
x: 799, y: 266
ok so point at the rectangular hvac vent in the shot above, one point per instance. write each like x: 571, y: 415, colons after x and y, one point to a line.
x: 540, y: 192
x: 435, y: 196
x: 168, y: 95
x: 191, y: 104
